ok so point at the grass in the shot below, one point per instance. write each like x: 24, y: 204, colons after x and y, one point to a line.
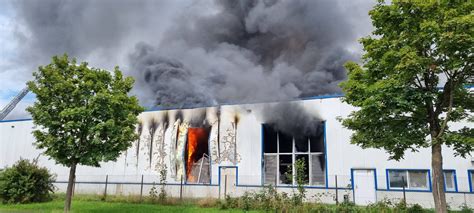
x: 96, y: 203
x: 99, y: 206
x: 91, y: 203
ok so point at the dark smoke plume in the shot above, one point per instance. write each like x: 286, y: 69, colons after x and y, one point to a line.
x: 169, y: 81
x: 191, y: 53
x: 292, y: 119
x: 248, y: 51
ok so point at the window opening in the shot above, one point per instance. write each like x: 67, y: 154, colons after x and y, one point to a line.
x: 197, y: 156
x: 281, y: 152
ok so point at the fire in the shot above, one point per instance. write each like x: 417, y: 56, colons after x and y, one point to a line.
x: 197, y: 146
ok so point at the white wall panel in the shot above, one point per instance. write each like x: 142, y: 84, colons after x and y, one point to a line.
x: 16, y: 141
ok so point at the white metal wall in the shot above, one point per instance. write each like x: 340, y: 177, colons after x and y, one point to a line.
x: 16, y: 142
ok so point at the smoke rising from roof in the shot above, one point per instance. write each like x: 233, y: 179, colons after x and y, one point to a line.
x: 248, y: 51
x: 188, y: 53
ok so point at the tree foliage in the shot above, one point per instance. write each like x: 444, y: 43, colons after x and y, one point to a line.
x: 26, y: 182
x: 85, y: 114
x: 411, y: 87
x: 412, y: 83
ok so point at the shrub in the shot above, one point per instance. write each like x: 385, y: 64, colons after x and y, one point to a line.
x: 465, y: 208
x: 400, y: 206
x: 246, y: 201
x: 229, y: 203
x: 26, y: 182
x: 346, y: 206
x: 381, y: 206
x: 415, y: 208
x: 153, y: 193
x: 300, y: 179
x: 162, y: 195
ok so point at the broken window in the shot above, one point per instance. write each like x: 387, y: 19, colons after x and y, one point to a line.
x: 318, y: 169
x: 281, y: 152
x: 285, y: 169
x: 270, y: 139
x: 301, y: 144
x: 197, y: 156
x: 317, y: 143
x: 271, y: 164
x: 285, y: 143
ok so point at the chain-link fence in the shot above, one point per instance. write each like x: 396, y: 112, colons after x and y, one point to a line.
x: 361, y: 190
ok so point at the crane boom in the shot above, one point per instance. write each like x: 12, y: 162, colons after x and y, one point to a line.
x: 10, y: 106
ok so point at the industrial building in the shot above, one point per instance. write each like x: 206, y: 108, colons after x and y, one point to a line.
x: 230, y: 149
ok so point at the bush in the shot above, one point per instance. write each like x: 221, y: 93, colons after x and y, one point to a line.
x: 381, y: 206
x: 26, y: 182
x: 246, y: 201
x: 346, y: 207
x: 401, y: 206
x: 465, y: 209
x: 416, y: 208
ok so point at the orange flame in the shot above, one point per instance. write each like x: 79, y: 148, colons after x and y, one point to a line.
x: 197, y: 146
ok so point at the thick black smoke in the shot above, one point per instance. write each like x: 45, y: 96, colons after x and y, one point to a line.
x: 168, y: 80
x: 248, y: 51
x: 292, y: 119
x: 100, y: 32
x: 189, y: 53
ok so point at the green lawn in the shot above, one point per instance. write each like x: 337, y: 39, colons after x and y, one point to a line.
x: 101, y: 206
x: 94, y: 203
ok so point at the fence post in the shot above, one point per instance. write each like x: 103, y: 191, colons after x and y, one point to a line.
x: 225, y: 186
x: 465, y: 203
x: 337, y: 193
x: 106, y: 182
x: 141, y: 190
x: 404, y: 195
x: 181, y: 189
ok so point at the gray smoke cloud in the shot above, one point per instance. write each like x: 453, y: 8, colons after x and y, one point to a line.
x: 187, y: 53
x: 248, y: 51
x: 100, y: 32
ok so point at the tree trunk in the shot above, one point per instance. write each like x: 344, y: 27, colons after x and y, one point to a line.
x: 439, y: 194
x: 70, y: 184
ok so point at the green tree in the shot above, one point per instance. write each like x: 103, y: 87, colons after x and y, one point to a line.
x: 412, y: 84
x: 84, y: 114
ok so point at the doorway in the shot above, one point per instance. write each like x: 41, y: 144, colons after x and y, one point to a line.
x: 227, y: 181
x: 364, y: 188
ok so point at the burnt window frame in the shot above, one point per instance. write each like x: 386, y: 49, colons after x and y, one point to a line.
x: 294, y: 153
